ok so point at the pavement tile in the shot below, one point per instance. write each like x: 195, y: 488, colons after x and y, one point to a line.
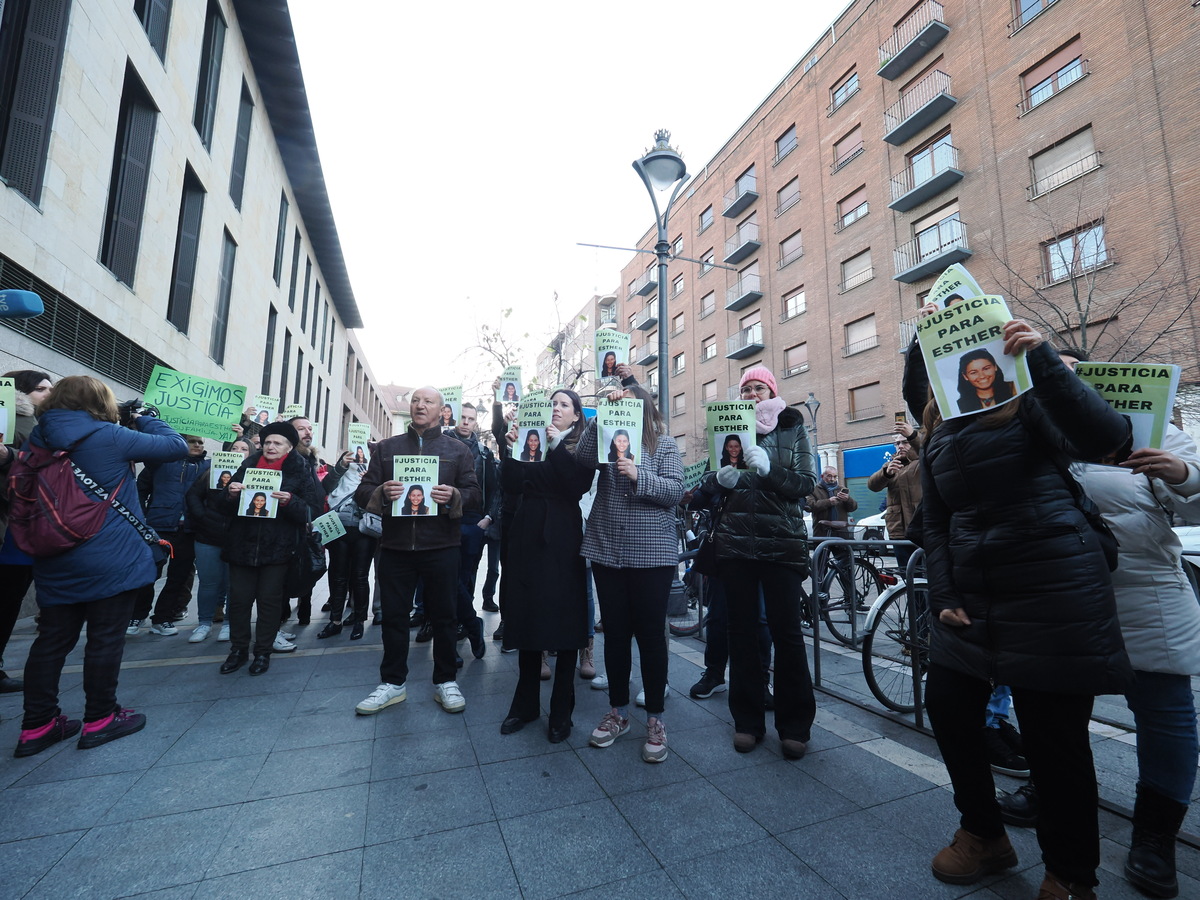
x: 419, y: 714
x: 620, y: 770
x: 419, y: 864
x: 657, y: 884
x: 709, y: 750
x: 23, y: 863
x: 313, y: 769
x: 411, y: 754
x: 861, y: 776
x: 428, y: 803
x: 204, y: 784
x: 532, y: 784
x: 492, y: 746
x: 780, y: 796
x: 60, y: 806
x: 312, y: 729
x: 316, y: 878
x: 764, y: 869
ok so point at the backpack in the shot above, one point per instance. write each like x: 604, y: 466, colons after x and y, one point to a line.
x: 50, y: 510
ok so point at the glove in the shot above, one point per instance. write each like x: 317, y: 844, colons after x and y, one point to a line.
x: 757, y: 459
x: 727, y: 476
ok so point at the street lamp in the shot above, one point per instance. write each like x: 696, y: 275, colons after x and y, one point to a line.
x: 659, y: 169
x: 812, y: 404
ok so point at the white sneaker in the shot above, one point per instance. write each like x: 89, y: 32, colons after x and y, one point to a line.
x: 381, y: 698
x: 641, y: 697
x: 163, y: 628
x: 199, y: 633
x: 600, y: 682
x: 223, y: 634
x: 282, y: 644
x: 451, y: 698
x: 286, y: 635
x: 135, y: 625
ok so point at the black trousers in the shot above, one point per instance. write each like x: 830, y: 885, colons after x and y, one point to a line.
x: 181, y: 573
x: 470, y: 553
x: 14, y: 585
x: 350, y: 559
x: 58, y: 633
x: 526, y: 702
x: 493, y: 569
x: 745, y: 581
x: 248, y: 585
x: 633, y: 604
x: 716, y: 647
x: 1054, y: 732
x: 398, y: 572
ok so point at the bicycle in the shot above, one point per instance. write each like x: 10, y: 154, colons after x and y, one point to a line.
x: 687, y: 615
x: 897, y: 639
x: 843, y: 596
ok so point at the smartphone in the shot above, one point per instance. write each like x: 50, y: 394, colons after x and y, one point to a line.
x: 901, y: 418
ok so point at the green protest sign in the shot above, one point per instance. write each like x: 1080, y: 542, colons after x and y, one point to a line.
x: 194, y: 405
x: 730, y: 432
x: 417, y: 476
x: 329, y: 527
x: 532, y: 418
x: 693, y: 473
x: 1143, y: 393
x: 452, y: 397
x: 510, y: 385
x: 619, y: 430
x: 612, y: 349
x: 956, y: 282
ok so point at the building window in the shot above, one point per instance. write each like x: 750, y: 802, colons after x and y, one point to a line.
x: 678, y: 404
x: 1064, y: 161
x: 155, y: 16
x: 1056, y: 72
x: 312, y: 336
x: 324, y: 328
x: 1027, y: 11
x: 1075, y: 254
x: 677, y: 246
x: 860, y: 335
x: 652, y: 381
x: 795, y: 360
x: 129, y: 180
x: 32, y: 36
x: 269, y: 350
x: 857, y: 270
x: 851, y: 209
x: 706, y: 219
x: 212, y: 50
x: 677, y: 286
x: 794, y: 303
x: 930, y: 158
x: 287, y: 358
x: 187, y: 247
x: 846, y: 88
x: 678, y: 363
x: 677, y: 324
x: 865, y: 402
x: 750, y: 319
x: 708, y: 347
x: 787, y: 196
x: 745, y: 182
x: 785, y: 143
x: 241, y: 147
x: 300, y: 380
x: 846, y: 149
x: 791, y: 248
x: 220, y: 323
x: 304, y: 298
x: 706, y: 263
x: 708, y: 304
x: 681, y: 443
x: 608, y: 314
x: 935, y: 232
x: 280, y: 238
x: 708, y: 391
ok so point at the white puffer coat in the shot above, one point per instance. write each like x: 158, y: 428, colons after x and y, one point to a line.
x: 1158, y: 611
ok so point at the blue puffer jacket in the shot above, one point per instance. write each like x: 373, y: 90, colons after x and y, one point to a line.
x: 116, y: 559
x: 163, y: 491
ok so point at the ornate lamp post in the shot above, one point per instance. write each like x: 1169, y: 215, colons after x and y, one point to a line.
x: 812, y: 404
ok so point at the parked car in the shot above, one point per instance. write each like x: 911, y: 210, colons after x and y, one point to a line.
x: 873, y: 528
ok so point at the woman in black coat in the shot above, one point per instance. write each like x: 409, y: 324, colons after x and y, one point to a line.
x: 1020, y: 595
x: 260, y: 551
x: 545, y: 600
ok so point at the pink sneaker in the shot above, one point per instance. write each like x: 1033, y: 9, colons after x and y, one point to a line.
x: 611, y: 727
x: 115, y: 725
x: 35, y: 740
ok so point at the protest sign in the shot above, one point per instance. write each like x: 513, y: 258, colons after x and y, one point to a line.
x: 963, y: 349
x: 255, y: 500
x: 452, y: 398
x: 265, y: 407
x: 693, y: 473
x: 194, y: 405
x: 612, y: 349
x: 532, y: 418
x: 417, y: 476
x: 329, y: 527
x: 510, y: 385
x: 358, y: 436
x: 1143, y: 393
x: 536, y: 395
x: 224, y: 464
x: 8, y: 410
x: 730, y: 432
x: 619, y: 430
x: 292, y: 410
x: 955, y: 283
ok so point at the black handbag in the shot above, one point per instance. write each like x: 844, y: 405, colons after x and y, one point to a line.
x: 705, y: 560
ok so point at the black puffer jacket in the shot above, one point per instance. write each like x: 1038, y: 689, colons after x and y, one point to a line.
x: 763, y: 517
x: 206, y: 514
x: 1006, y: 542
x: 268, y: 542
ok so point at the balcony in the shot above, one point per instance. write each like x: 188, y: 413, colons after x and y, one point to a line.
x: 859, y: 415
x: 844, y: 155
x: 916, y: 36
x: 924, y: 103
x: 935, y: 172
x: 856, y: 279
x: 745, y: 343
x: 932, y: 250
x: 646, y: 283
x: 646, y: 319
x: 1077, y: 169
x: 908, y: 328
x: 743, y: 243
x: 860, y: 346
x: 745, y: 291
x: 608, y: 314
x: 645, y: 355
x: 741, y: 196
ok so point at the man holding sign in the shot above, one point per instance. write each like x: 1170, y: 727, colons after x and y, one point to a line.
x: 424, y: 547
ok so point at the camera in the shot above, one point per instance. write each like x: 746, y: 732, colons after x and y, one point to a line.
x: 129, y: 411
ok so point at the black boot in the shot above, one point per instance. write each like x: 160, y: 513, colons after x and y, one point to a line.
x: 1151, y: 864
x: 304, y: 610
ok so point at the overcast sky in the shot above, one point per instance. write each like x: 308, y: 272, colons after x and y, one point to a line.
x: 468, y: 146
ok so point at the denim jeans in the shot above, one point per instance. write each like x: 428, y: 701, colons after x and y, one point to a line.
x: 470, y: 553
x: 214, y: 582
x: 1165, y: 714
x: 998, y: 707
x: 58, y: 633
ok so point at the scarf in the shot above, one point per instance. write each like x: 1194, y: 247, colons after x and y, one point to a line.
x: 766, y: 414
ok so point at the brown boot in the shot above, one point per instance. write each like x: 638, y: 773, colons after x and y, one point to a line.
x: 587, y: 662
x: 1053, y: 889
x: 969, y: 858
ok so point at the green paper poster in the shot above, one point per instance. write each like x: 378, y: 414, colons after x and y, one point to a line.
x: 955, y: 282
x: 1143, y: 393
x: 619, y: 430
x: 510, y: 385
x: 417, y: 476
x: 451, y: 397
x: 358, y: 436
x: 194, y: 405
x: 255, y: 500
x: 693, y: 473
x: 223, y: 463
x: 532, y: 418
x: 730, y: 432
x: 329, y: 527
x: 612, y: 349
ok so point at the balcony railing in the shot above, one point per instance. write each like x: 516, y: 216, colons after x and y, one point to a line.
x: 927, y: 177
x: 790, y: 256
x: 848, y: 218
x: 644, y: 356
x: 608, y: 314
x: 708, y: 351
x: 855, y: 280
x: 1077, y: 169
x: 840, y: 96
x: 789, y: 371
x: 860, y: 346
x: 645, y: 284
x: 1028, y: 14
x: 744, y: 242
x: 743, y: 292
x: 914, y: 37
x: 645, y: 319
x: 1062, y: 79
x: 786, y: 203
x: 907, y: 329
x: 869, y: 412
x: 846, y: 155
x: 782, y: 150
x: 932, y: 250
x: 740, y: 196
x: 745, y: 343
x: 706, y: 311
x: 926, y: 101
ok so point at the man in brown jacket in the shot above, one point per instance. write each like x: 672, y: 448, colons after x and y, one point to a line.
x: 419, y: 547
x: 901, y: 478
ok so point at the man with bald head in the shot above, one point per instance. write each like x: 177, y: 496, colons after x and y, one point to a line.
x: 419, y: 547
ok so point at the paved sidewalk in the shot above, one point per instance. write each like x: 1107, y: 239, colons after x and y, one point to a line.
x: 272, y: 787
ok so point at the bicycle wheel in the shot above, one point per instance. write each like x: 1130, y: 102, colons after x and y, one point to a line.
x: 688, y: 620
x: 889, y: 649
x: 844, y: 609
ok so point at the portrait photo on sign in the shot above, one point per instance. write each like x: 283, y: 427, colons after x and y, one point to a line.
x: 984, y: 377
x: 509, y: 393
x: 416, y: 500
x: 531, y: 444
x: 731, y: 447
x: 622, y: 443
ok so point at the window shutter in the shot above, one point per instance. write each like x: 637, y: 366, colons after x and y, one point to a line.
x: 158, y: 15
x: 1059, y: 157
x: 129, y: 200
x: 179, y: 307
x: 241, y: 148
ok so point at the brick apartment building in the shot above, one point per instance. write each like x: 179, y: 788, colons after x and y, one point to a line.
x: 1053, y: 146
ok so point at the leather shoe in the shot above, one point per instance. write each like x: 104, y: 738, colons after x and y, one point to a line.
x: 793, y: 749
x: 356, y: 632
x: 513, y: 724
x: 559, y: 733
x: 377, y: 619
x: 261, y: 664
x: 490, y: 606
x: 233, y: 662
x: 475, y: 634
x: 744, y: 742
x: 10, y: 685
x: 1021, y: 807
x: 329, y: 630
x: 425, y: 635
x: 416, y: 620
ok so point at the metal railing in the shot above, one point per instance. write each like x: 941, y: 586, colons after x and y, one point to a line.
x: 791, y: 256
x: 915, y: 174
x: 1026, y: 16
x: 1080, y: 167
x: 744, y: 285
x: 744, y: 235
x: 860, y: 346
x: 745, y: 185
x: 855, y: 280
x: 949, y: 234
x: 936, y: 82
x: 848, y: 155
x: 1070, y: 75
x: 906, y: 32
x: 782, y: 150
x: 847, y: 219
x: 867, y: 412
x: 745, y: 338
x: 786, y: 203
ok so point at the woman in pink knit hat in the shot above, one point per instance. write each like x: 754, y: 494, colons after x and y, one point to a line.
x: 762, y: 547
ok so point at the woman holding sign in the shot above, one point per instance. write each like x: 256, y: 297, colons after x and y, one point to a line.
x: 1020, y: 588
x: 545, y: 600
x: 260, y: 550
x: 762, y: 550
x: 350, y: 555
